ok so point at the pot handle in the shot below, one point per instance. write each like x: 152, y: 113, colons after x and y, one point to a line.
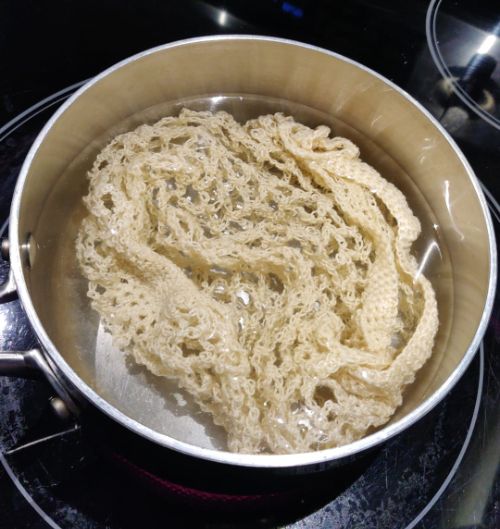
x: 32, y: 363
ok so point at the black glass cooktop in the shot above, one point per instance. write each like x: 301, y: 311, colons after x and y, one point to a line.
x: 441, y: 473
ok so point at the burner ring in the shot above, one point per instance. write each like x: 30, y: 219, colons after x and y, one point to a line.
x: 444, y: 70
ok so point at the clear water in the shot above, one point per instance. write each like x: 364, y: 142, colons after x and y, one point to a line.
x: 75, y: 329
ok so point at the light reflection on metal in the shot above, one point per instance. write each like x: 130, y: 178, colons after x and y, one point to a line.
x: 487, y: 44
x: 4, y: 316
x: 222, y: 19
x: 428, y: 254
x: 449, y: 207
x: 215, y: 102
x: 375, y: 120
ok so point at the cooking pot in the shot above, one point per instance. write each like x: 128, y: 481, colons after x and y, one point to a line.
x: 247, y: 76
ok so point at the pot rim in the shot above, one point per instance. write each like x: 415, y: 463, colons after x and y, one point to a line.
x: 220, y: 456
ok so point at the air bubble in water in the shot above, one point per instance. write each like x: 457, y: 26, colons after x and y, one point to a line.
x: 243, y: 296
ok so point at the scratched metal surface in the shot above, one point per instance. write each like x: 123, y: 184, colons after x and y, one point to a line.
x: 442, y: 473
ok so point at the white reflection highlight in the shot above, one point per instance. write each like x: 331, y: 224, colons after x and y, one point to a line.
x: 428, y: 144
x: 374, y: 121
x: 487, y: 44
x: 448, y: 206
x: 214, y: 103
x: 428, y: 254
x: 3, y: 322
x: 222, y: 19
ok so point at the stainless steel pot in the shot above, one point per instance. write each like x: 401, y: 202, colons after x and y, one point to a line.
x: 247, y: 75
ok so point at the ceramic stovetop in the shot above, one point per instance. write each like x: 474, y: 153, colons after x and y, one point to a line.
x: 441, y: 473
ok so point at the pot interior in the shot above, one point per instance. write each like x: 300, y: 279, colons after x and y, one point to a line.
x: 248, y: 78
